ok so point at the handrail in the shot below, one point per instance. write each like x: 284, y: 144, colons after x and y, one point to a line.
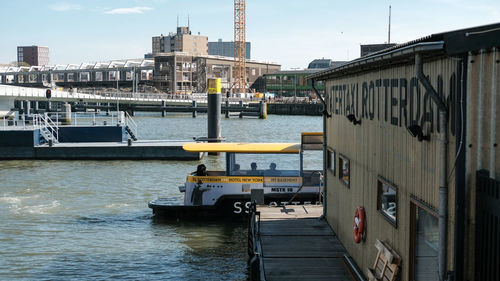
x: 200, y: 97
x: 129, y: 121
x: 54, y: 129
x: 48, y: 128
x: 85, y: 118
x: 256, y: 249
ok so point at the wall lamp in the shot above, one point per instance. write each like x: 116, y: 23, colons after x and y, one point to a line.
x: 352, y: 119
x: 416, y: 132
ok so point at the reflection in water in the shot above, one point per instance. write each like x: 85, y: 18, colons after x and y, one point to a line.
x: 84, y: 220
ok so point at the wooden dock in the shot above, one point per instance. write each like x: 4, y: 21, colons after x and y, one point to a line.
x: 295, y: 245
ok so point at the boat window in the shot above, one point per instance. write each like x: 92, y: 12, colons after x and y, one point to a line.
x: 275, y: 165
x: 313, y: 160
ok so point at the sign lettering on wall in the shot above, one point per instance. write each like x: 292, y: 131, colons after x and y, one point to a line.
x: 397, y: 101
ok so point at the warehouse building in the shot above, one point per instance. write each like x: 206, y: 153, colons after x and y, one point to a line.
x: 226, y: 49
x: 181, y: 41
x: 289, y: 83
x: 411, y: 143
x: 184, y: 73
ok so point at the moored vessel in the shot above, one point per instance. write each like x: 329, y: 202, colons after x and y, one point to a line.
x: 272, y: 173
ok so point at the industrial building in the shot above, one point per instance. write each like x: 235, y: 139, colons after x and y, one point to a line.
x: 184, y: 73
x: 182, y: 41
x: 191, y: 73
x: 33, y: 55
x: 412, y: 143
x: 226, y: 49
x: 322, y: 64
x: 367, y: 49
x: 289, y: 83
x: 113, y: 74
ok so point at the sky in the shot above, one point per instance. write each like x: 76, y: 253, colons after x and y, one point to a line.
x: 289, y: 32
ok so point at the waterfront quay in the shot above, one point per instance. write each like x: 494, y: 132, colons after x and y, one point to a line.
x: 38, y: 100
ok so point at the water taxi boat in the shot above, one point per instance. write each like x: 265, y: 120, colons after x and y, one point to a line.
x: 228, y: 193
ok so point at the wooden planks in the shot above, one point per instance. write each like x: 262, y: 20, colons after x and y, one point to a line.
x: 298, y: 245
x: 290, y: 212
x: 289, y: 269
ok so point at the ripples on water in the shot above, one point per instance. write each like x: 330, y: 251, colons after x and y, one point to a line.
x: 82, y: 220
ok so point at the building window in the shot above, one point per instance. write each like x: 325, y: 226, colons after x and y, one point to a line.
x: 330, y: 161
x: 387, y: 198
x: 344, y: 170
x: 424, y: 233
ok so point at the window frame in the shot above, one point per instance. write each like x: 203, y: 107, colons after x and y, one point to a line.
x: 342, y: 159
x: 380, y: 182
x: 331, y: 153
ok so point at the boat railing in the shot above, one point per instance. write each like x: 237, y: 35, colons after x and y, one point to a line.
x: 256, y: 260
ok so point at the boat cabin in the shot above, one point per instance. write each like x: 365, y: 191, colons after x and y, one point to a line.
x: 275, y: 168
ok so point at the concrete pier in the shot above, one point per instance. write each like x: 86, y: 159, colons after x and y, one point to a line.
x: 66, y: 119
x: 195, y: 106
x: 87, y: 143
x: 140, y: 150
x: 163, y: 106
x: 227, y: 105
x: 28, y: 107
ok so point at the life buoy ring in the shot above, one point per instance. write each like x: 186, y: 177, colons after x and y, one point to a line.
x: 359, y: 224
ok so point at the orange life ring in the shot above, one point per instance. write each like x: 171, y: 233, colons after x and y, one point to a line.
x: 359, y: 224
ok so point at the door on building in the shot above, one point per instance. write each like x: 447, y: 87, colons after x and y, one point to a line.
x: 424, y: 244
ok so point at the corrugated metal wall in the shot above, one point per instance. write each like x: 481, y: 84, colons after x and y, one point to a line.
x: 387, y: 101
x: 483, y: 85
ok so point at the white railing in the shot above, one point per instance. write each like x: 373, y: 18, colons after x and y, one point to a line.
x: 48, y: 128
x: 36, y: 121
x: 200, y: 97
x: 129, y: 121
x: 49, y: 122
x: 9, y: 123
x: 84, y: 118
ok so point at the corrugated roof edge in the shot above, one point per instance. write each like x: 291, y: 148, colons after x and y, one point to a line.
x: 428, y: 43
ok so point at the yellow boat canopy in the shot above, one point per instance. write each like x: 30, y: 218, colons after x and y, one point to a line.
x: 245, y: 147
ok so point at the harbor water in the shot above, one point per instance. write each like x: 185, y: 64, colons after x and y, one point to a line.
x: 89, y: 220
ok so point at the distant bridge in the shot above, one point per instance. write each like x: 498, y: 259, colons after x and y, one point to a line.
x: 196, y: 102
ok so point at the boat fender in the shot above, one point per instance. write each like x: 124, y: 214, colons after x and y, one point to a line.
x: 359, y: 224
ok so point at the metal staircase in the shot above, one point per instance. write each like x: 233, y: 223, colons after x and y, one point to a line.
x: 130, y: 127
x: 49, y: 130
x: 129, y: 131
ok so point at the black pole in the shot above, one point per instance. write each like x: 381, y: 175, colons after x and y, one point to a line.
x: 460, y: 169
x: 325, y: 116
x: 214, y: 112
x: 214, y: 116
